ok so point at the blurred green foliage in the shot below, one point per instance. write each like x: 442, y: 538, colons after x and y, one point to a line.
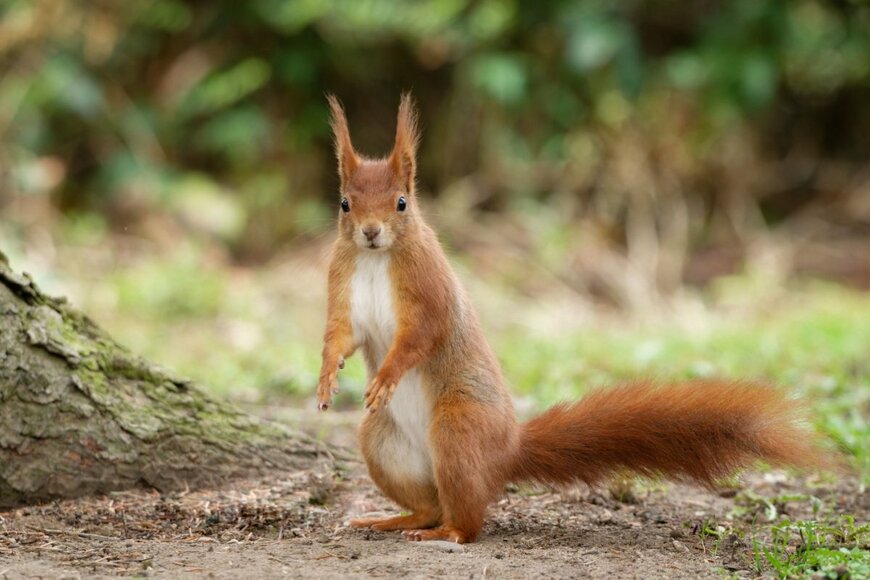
x: 123, y: 108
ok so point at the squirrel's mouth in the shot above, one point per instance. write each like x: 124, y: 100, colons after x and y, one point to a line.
x: 375, y: 245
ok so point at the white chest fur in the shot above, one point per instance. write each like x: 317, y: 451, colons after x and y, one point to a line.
x: 373, y: 316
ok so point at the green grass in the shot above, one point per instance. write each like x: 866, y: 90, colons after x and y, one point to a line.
x: 826, y: 545
x: 838, y: 549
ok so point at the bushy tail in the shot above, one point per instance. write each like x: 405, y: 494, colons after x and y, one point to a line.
x: 700, y: 430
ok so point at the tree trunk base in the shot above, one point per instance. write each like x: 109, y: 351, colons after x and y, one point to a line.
x: 79, y: 414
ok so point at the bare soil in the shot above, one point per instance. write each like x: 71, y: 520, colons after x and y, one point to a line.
x: 294, y: 524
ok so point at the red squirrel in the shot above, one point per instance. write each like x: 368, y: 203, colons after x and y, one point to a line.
x: 440, y: 437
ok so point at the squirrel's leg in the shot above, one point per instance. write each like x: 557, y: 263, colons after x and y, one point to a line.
x: 380, y: 439
x: 338, y: 345
x: 463, y: 467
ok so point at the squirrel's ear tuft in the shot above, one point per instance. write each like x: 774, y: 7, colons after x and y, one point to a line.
x: 403, y: 158
x: 348, y: 160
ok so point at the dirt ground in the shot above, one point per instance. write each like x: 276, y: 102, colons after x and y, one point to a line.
x: 294, y: 524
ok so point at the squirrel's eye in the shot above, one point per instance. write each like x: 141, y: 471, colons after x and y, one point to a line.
x: 402, y: 204
x: 345, y: 205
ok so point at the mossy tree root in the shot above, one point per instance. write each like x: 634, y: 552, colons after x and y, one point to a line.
x: 79, y: 414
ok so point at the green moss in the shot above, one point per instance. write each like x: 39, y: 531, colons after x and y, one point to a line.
x: 46, y: 327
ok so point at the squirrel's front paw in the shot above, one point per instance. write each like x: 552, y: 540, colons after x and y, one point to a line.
x: 327, y: 387
x: 328, y: 384
x: 379, y: 393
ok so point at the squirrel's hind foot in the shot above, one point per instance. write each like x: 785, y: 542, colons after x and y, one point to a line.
x: 445, y: 533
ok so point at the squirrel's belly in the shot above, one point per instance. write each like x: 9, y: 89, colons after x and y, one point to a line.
x: 373, y: 317
x: 403, y: 451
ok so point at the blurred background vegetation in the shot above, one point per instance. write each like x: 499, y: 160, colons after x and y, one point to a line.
x: 671, y: 133
x: 626, y: 186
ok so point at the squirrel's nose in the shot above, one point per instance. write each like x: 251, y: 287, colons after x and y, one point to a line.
x: 371, y: 232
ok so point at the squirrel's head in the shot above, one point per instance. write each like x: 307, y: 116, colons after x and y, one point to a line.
x: 378, y: 206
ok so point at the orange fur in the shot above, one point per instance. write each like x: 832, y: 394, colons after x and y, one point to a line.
x: 440, y: 437
x: 700, y: 430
